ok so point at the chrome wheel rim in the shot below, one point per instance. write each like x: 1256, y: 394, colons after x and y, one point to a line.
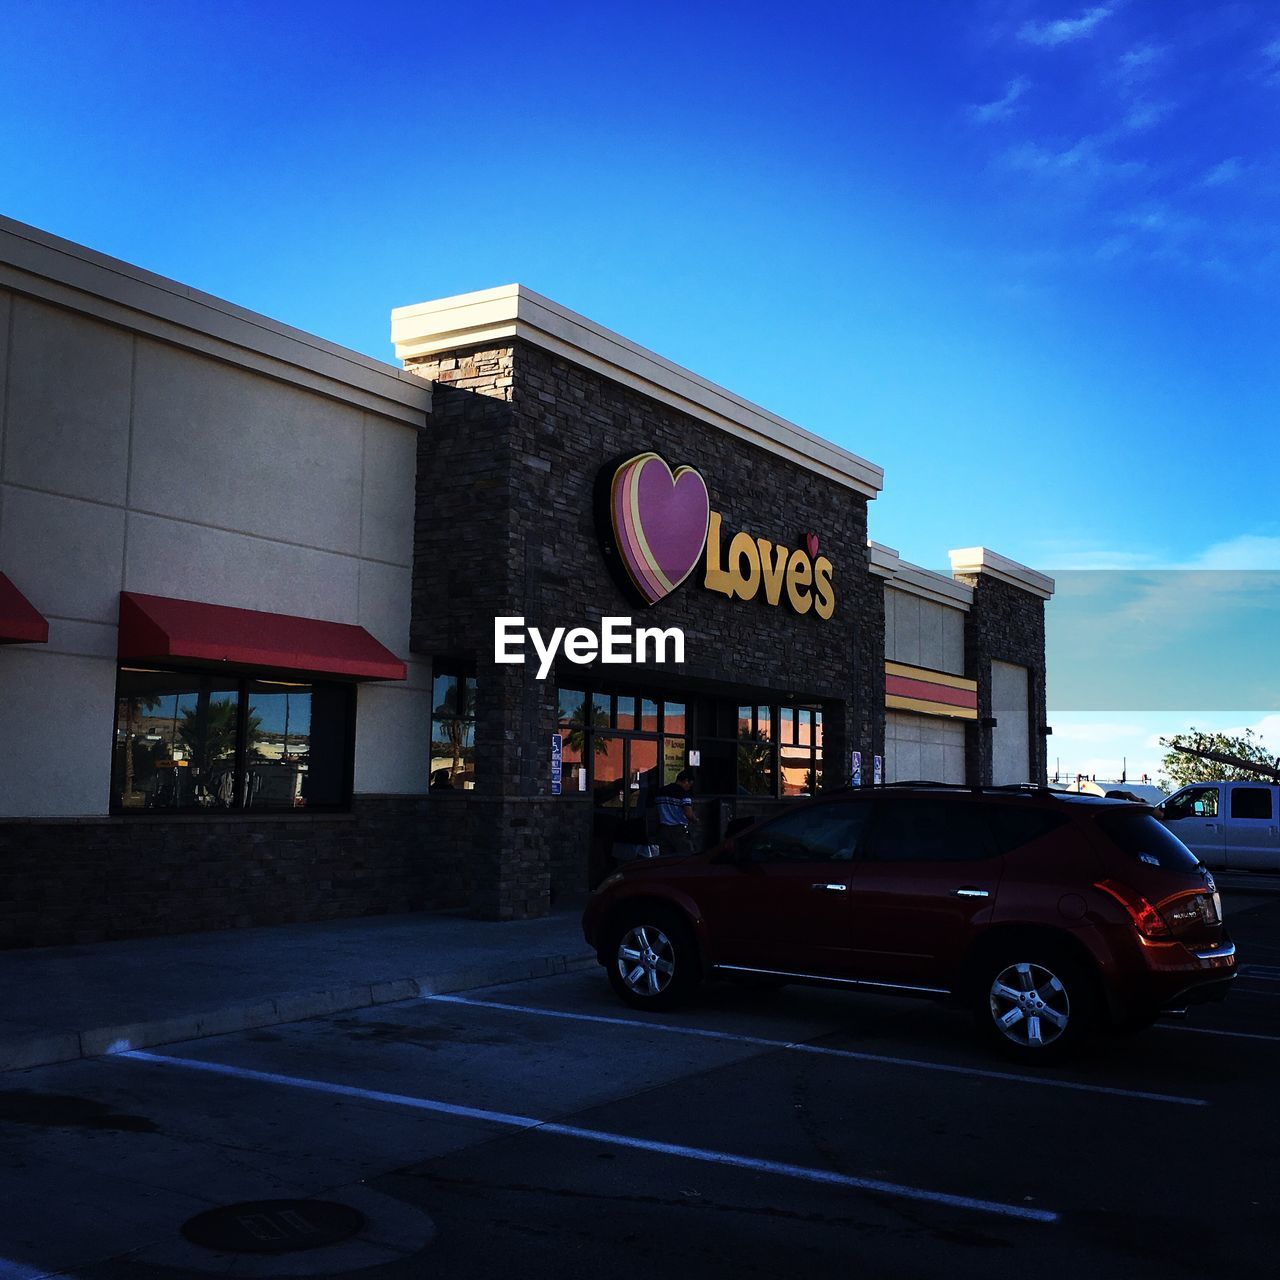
x: 646, y: 960
x: 1029, y: 1005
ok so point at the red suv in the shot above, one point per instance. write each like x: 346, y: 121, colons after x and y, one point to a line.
x: 1048, y: 914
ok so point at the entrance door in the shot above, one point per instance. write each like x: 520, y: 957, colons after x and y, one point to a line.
x: 1010, y: 740
x: 626, y: 775
x: 782, y: 904
x: 927, y: 878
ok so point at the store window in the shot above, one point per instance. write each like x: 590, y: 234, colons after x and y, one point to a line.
x: 755, y: 751
x: 195, y: 742
x: 453, y: 731
x: 619, y: 747
x: 574, y: 718
x: 800, y: 750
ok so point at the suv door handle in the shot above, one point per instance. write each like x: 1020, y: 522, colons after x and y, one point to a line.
x: 968, y: 891
x: 830, y: 888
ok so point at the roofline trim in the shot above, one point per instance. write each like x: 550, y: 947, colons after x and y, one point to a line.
x: 516, y: 312
x: 36, y: 264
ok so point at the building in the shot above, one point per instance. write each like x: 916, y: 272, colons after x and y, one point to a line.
x: 252, y: 584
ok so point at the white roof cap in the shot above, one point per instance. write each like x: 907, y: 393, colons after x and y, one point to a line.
x: 984, y: 560
x: 513, y: 311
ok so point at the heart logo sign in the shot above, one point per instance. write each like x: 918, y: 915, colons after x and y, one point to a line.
x: 660, y: 519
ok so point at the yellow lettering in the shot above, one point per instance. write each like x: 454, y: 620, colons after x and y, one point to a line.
x: 825, y: 604
x: 716, y: 579
x: 743, y: 547
x: 774, y: 565
x: 799, y: 577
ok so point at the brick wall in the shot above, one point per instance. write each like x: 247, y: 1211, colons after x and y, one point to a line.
x: 506, y: 480
x: 1005, y: 624
x: 87, y: 881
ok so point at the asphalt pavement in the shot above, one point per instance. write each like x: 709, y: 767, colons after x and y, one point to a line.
x: 541, y: 1128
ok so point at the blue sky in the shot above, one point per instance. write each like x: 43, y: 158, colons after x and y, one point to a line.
x: 1025, y: 256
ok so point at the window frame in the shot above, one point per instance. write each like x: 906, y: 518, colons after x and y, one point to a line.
x: 593, y: 694
x: 446, y: 668
x: 242, y: 680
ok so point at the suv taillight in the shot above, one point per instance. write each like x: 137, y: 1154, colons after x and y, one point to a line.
x: 1146, y: 919
x: 1191, y: 909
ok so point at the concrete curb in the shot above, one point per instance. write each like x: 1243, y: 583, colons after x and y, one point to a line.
x: 43, y: 1048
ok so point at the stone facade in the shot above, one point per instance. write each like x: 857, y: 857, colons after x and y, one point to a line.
x: 80, y: 881
x: 1005, y: 624
x: 506, y: 526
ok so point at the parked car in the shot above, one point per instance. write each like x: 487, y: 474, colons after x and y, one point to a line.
x: 1048, y: 914
x: 1227, y: 824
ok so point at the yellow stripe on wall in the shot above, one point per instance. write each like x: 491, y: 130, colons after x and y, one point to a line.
x: 895, y: 702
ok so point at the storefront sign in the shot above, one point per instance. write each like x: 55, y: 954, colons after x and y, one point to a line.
x: 855, y: 770
x: 659, y: 520
x: 877, y: 769
x: 656, y: 525
x: 557, y: 758
x: 753, y: 563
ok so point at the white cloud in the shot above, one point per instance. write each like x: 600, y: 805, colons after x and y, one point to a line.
x: 1243, y: 552
x: 1221, y: 174
x: 1099, y: 560
x: 1004, y: 106
x: 1143, y: 115
x: 1063, y: 30
x: 1097, y: 733
x: 1140, y: 63
x: 1248, y: 551
x: 1268, y: 729
x: 1081, y: 163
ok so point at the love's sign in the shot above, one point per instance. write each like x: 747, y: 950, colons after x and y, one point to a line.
x: 656, y: 524
x: 660, y: 519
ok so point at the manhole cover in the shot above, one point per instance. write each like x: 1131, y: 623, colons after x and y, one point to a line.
x: 273, y: 1226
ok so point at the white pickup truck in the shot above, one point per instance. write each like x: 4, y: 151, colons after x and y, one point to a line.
x: 1227, y: 824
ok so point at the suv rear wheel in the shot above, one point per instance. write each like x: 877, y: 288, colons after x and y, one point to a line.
x: 1036, y: 1005
x: 652, y: 958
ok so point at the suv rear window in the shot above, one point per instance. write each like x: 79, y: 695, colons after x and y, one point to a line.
x: 1144, y: 839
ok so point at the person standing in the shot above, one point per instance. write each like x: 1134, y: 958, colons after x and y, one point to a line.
x: 675, y: 814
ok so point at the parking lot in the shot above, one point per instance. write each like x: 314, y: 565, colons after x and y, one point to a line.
x: 543, y: 1129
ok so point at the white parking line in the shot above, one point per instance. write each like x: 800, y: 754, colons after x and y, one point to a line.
x: 10, y: 1270
x: 1213, y: 1031
x: 507, y: 1120
x: 795, y: 1046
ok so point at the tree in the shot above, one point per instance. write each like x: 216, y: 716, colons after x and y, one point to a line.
x: 1180, y: 769
x: 131, y: 709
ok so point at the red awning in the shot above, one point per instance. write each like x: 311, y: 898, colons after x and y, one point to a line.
x: 20, y: 621
x: 159, y: 629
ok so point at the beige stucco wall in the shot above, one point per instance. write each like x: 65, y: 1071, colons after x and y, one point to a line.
x: 923, y: 633
x: 128, y: 462
x: 923, y: 748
